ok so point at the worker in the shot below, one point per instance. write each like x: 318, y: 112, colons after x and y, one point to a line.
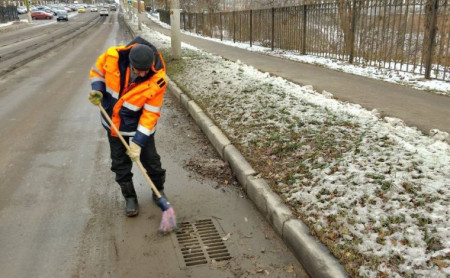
x: 130, y: 82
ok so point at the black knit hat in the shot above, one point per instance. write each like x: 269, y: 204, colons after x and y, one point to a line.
x: 141, y: 57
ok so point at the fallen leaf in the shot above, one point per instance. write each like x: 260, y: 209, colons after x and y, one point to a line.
x: 332, y: 235
x: 225, y: 238
x: 441, y: 264
x: 343, y: 230
x: 289, y: 268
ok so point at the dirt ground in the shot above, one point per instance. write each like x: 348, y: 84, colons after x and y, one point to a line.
x: 211, y: 167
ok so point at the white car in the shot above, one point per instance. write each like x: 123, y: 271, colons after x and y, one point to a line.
x: 104, y: 12
x: 22, y: 10
x: 93, y: 9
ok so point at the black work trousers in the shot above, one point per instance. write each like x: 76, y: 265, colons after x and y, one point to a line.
x: 122, y: 164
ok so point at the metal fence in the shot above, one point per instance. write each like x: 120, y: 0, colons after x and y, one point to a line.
x: 403, y: 35
x: 8, y: 13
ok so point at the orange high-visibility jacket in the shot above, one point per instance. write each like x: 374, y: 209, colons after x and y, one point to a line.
x: 135, y: 108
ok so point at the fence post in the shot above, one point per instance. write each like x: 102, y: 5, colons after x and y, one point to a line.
x: 234, y: 26
x: 211, y: 24
x: 184, y: 20
x: 431, y: 8
x: 273, y: 27
x: 188, y: 22
x: 353, y: 33
x: 221, y: 27
x: 305, y: 9
x: 251, y: 27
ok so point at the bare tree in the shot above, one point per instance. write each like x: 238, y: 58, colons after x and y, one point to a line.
x: 196, y: 6
x: 346, y: 13
x: 212, y: 5
x: 161, y: 4
x: 266, y: 4
x: 189, y: 5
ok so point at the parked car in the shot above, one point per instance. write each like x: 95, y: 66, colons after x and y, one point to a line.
x: 59, y: 10
x: 81, y: 10
x: 41, y: 15
x: 94, y: 9
x: 50, y: 11
x: 62, y: 15
x: 104, y: 12
x: 21, y: 10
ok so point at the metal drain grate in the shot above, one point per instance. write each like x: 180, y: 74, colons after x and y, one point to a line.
x: 200, y: 243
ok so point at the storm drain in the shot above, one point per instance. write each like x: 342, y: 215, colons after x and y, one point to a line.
x: 200, y: 243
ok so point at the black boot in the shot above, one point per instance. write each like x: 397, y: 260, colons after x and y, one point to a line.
x: 131, y: 207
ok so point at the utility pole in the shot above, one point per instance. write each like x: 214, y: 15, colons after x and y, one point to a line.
x: 129, y: 8
x: 139, y: 15
x: 175, y: 29
x: 28, y: 10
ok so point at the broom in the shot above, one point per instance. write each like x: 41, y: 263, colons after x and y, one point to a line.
x: 168, y: 220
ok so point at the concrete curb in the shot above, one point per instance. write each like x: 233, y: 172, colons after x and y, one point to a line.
x: 313, y: 255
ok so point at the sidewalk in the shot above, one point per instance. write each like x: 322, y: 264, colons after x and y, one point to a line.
x: 417, y: 108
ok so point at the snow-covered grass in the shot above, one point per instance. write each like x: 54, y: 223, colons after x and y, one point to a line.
x: 2, y: 25
x: 375, y: 191
x: 414, y: 80
x: 6, y: 24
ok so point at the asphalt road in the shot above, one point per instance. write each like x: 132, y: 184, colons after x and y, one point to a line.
x: 23, y: 42
x: 416, y: 108
x: 61, y: 214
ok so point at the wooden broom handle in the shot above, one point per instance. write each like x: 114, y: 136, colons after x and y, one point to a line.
x: 138, y: 161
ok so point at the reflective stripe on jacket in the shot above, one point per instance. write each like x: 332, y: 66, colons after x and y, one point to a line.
x: 134, y: 108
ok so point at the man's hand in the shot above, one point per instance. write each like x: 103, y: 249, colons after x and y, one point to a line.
x: 95, y: 97
x: 134, y: 152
